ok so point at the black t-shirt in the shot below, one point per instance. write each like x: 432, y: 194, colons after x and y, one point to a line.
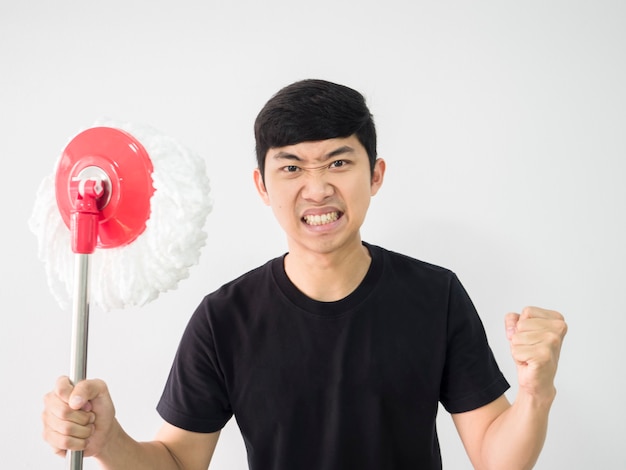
x: 334, y: 385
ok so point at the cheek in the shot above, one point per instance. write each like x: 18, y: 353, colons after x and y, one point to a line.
x: 361, y: 193
x: 279, y: 202
x: 358, y: 202
x: 283, y: 194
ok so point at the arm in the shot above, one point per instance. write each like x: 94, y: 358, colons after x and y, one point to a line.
x: 173, y: 448
x: 83, y: 418
x: 501, y: 435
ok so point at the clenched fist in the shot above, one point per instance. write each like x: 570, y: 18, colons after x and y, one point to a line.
x: 536, y: 336
x: 78, y: 417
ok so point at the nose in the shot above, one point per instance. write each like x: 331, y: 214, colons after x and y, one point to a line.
x: 316, y: 186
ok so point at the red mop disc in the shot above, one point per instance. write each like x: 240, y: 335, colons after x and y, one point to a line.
x: 123, y: 163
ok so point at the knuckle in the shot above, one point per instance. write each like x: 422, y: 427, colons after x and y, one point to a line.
x: 101, y: 385
x: 531, y: 311
x: 49, y: 399
x: 91, y: 387
x: 71, y: 442
x: 80, y: 432
x: 554, y: 338
x: 544, y: 355
x: 64, y: 413
x: 526, y: 326
x: 66, y: 428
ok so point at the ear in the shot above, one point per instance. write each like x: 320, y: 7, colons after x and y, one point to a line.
x: 378, y: 175
x: 260, y: 186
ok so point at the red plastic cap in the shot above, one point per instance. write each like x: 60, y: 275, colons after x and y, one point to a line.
x: 124, y: 208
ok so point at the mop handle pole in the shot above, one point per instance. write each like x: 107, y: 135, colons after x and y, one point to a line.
x: 80, y: 328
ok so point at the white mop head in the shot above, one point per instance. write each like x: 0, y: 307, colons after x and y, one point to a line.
x: 134, y: 274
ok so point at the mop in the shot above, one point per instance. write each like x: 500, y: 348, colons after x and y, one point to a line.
x: 124, y: 210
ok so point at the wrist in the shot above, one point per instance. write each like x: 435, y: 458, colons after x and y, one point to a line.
x: 536, y: 398
x: 112, y: 445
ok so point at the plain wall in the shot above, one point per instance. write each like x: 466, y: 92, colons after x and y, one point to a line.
x: 502, y: 124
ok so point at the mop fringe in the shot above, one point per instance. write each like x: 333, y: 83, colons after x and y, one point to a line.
x: 155, y: 262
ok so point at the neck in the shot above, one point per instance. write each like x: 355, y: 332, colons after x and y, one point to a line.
x: 328, y: 277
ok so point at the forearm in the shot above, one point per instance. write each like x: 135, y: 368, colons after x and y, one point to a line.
x: 515, y: 439
x: 123, y: 452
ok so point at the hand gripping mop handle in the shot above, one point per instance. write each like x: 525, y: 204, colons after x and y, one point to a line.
x: 84, y: 229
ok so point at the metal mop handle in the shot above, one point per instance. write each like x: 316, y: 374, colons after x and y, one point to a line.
x: 84, y: 228
x: 80, y: 329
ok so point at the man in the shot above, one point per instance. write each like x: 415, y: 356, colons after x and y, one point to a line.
x: 336, y: 355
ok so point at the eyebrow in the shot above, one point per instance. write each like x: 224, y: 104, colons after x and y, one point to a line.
x: 334, y: 153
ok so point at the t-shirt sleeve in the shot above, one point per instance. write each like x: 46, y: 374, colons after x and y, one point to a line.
x: 195, y: 396
x: 471, y: 376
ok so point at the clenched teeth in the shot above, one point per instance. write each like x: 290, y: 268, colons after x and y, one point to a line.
x: 321, y: 219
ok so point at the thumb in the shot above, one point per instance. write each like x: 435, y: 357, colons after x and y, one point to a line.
x: 84, y: 392
x: 510, y: 324
x: 65, y: 390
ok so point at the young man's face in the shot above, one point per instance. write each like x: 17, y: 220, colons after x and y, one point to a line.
x: 320, y: 192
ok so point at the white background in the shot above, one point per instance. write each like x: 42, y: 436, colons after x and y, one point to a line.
x: 502, y: 123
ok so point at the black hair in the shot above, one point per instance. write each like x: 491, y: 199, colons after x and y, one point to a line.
x: 312, y: 110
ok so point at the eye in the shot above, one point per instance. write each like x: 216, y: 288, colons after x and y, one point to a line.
x: 290, y: 168
x: 338, y: 164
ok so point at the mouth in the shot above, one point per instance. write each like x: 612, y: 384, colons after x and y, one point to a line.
x: 321, y: 219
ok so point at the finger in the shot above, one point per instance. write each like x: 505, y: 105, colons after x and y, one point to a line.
x: 549, y: 326
x: 59, y: 452
x: 510, y: 324
x: 536, y: 312
x: 61, y: 443
x: 536, y: 324
x: 56, y: 450
x: 539, y: 338
x: 69, y: 428
x: 62, y: 434
x: 530, y: 337
x: 533, y: 354
x: 55, y: 406
x: 63, y: 388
